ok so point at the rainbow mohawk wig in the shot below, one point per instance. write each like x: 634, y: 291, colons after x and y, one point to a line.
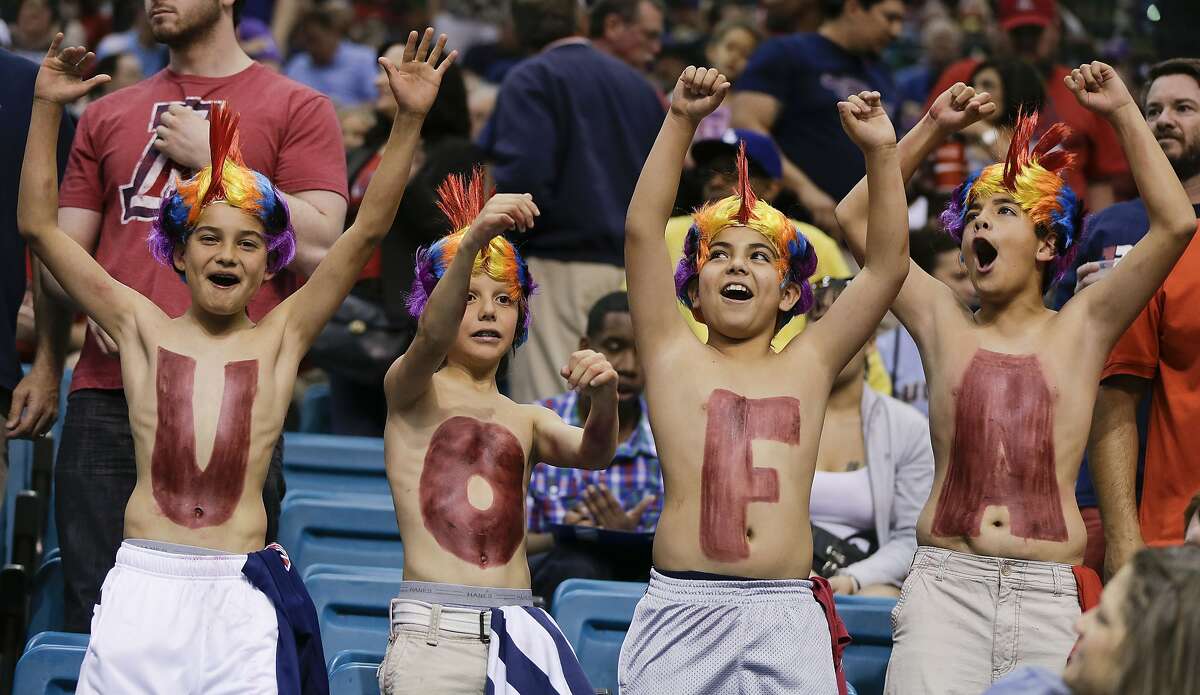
x: 1034, y: 179
x: 230, y: 181
x: 797, y: 258
x: 461, y: 200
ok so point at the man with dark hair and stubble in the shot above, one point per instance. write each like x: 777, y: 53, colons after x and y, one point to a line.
x: 791, y: 84
x: 572, y: 126
x: 1157, y: 358
x: 628, y: 30
x: 128, y: 149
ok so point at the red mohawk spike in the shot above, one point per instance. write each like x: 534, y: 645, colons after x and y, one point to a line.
x: 1018, y: 150
x: 222, y: 145
x: 461, y: 200
x: 744, y: 191
x: 1051, y: 159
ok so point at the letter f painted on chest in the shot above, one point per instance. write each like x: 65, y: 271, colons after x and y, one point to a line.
x: 187, y: 495
x: 728, y: 480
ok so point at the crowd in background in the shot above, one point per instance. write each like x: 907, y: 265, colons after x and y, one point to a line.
x: 567, y: 110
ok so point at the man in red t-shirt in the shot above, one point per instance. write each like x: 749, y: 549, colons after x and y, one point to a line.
x: 129, y: 147
x: 1031, y: 32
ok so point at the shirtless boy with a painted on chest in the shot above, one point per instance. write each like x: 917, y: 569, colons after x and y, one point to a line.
x: 459, y: 453
x: 730, y: 607
x: 182, y: 610
x: 1012, y: 387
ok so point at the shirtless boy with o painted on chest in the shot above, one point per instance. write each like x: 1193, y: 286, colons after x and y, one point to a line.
x: 459, y: 453
x: 1012, y: 387
x: 730, y: 607
x: 184, y: 610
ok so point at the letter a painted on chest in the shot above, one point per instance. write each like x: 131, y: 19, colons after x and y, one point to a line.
x: 1003, y: 451
x: 728, y: 480
x: 187, y: 495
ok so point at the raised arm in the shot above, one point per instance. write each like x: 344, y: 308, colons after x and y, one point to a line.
x: 1109, y: 307
x: 414, y: 83
x: 409, y: 376
x: 651, y: 277
x: 59, y: 82
x: 593, y: 446
x: 852, y: 319
x: 922, y: 298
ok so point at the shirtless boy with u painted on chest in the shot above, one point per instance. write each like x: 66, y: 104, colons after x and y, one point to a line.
x: 1012, y: 387
x: 730, y: 607
x: 459, y: 455
x: 190, y: 606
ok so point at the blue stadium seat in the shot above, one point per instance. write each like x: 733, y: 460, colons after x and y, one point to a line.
x: 392, y: 573
x: 49, y: 669
x: 329, y: 463
x: 315, y: 410
x: 868, y: 620
x: 354, y: 679
x: 352, y: 610
x: 20, y: 465
x: 354, y: 656
x: 59, y: 639
x: 594, y: 617
x: 46, y: 605
x: 340, y: 530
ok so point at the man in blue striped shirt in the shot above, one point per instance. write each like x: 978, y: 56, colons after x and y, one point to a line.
x: 624, y: 497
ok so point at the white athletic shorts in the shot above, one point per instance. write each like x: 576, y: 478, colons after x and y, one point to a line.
x: 180, y: 620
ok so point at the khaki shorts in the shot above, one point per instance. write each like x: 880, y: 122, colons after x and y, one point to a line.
x: 964, y: 621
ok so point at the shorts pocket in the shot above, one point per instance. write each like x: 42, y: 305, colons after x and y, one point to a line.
x: 905, y: 590
x: 391, y: 660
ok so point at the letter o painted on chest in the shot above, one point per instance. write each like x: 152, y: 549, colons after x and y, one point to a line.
x: 462, y: 448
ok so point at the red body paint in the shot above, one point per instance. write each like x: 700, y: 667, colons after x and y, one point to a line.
x: 1003, y: 451
x: 728, y: 480
x: 187, y: 495
x: 462, y: 447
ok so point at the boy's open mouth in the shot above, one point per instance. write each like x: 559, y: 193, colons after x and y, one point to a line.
x: 737, y: 292
x: 223, y: 279
x: 486, y: 334
x: 985, y: 254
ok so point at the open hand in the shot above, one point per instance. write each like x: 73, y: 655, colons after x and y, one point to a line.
x: 865, y: 121
x: 503, y: 212
x: 416, y: 80
x: 960, y: 107
x: 60, y: 79
x: 34, y: 404
x: 1099, y: 88
x: 589, y: 372
x: 182, y: 135
x: 698, y: 93
x: 606, y: 512
x: 104, y: 341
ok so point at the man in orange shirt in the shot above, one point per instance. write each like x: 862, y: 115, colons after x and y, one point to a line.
x: 1158, y: 354
x: 1032, y: 32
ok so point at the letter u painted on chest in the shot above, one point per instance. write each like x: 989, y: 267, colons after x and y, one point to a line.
x: 728, y: 479
x: 1003, y: 451
x: 187, y: 495
x: 460, y: 449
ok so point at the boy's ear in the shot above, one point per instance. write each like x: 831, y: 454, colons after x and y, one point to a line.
x: 788, y: 296
x: 177, y: 258
x: 1047, y: 247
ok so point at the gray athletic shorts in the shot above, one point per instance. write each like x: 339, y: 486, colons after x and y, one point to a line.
x: 727, y: 637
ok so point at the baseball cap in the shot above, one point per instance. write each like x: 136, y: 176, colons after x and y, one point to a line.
x: 760, y: 150
x: 1019, y: 13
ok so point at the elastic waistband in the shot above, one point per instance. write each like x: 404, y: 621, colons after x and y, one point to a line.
x: 725, y: 591
x: 463, y: 596
x: 1052, y: 575
x: 184, y: 561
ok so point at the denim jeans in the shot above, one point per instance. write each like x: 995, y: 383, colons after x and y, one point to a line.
x: 93, y: 477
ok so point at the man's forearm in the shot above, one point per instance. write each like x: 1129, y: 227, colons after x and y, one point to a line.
x: 1112, y: 461
x: 52, y: 324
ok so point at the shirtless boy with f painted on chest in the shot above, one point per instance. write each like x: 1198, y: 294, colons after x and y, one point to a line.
x: 459, y: 455
x: 188, y: 608
x: 1012, y: 387
x: 730, y: 607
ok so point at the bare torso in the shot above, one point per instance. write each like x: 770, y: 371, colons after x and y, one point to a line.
x: 738, y: 445
x: 1009, y: 417
x: 206, y: 413
x: 458, y: 466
